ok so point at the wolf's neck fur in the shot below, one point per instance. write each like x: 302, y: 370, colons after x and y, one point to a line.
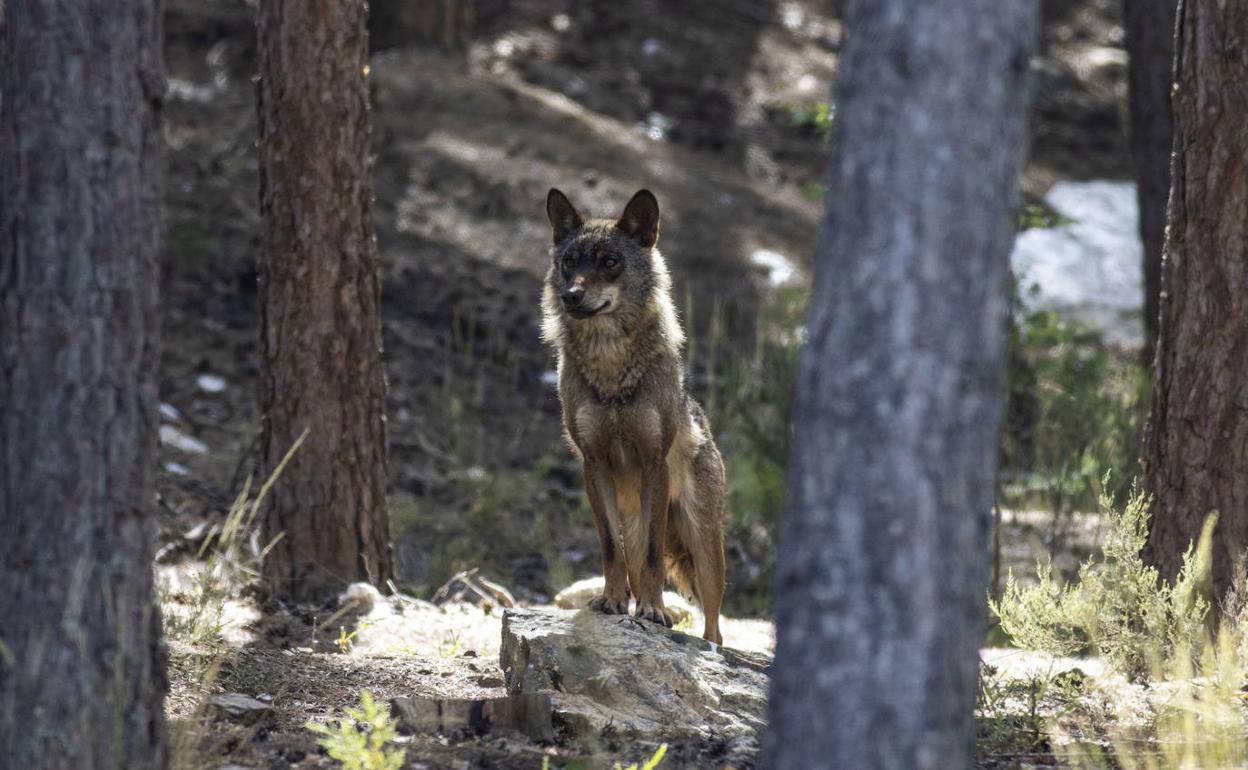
x: 616, y: 351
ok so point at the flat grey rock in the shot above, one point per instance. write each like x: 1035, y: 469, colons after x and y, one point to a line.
x: 637, y: 678
x: 237, y: 707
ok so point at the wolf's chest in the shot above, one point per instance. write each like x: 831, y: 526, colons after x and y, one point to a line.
x: 611, y: 368
x: 629, y: 439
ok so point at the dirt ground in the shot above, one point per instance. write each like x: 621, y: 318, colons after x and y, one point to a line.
x: 703, y: 103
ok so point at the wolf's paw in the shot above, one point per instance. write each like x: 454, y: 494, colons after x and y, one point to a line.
x: 655, y: 613
x: 608, y: 605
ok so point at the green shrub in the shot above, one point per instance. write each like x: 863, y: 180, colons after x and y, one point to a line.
x: 812, y: 117
x: 1118, y: 608
x: 361, y: 743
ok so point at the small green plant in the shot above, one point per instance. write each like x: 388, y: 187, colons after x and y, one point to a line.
x: 1118, y: 607
x: 815, y: 117
x: 649, y: 764
x: 450, y: 645
x: 361, y: 743
x: 685, y: 625
x: 345, y: 640
x: 226, y: 567
x: 1037, y: 216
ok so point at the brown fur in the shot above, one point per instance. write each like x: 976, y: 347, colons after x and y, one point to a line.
x: 653, y: 474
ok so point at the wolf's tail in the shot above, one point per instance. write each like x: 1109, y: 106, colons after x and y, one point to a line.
x: 680, y: 573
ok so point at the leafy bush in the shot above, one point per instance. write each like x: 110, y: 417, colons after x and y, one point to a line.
x: 361, y: 743
x: 1118, y: 607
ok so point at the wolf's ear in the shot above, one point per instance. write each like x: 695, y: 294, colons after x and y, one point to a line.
x: 562, y: 215
x: 640, y: 220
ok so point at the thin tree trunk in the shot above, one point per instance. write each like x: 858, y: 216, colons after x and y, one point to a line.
x: 82, y: 668
x: 882, y: 574
x: 1150, y: 42
x: 1196, y: 450
x: 321, y: 332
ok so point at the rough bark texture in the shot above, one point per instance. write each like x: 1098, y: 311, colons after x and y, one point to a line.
x: 1150, y: 43
x: 883, y: 565
x: 82, y: 668
x: 321, y: 332
x: 1196, y: 451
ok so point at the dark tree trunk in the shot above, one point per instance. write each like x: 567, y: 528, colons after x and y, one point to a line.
x: 82, y: 668
x: 1150, y: 42
x: 882, y: 570
x: 1196, y: 451
x: 321, y: 332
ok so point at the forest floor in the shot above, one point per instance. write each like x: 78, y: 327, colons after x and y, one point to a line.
x: 716, y: 108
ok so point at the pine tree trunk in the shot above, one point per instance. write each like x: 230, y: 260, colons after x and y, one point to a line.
x: 882, y: 573
x: 1196, y: 451
x: 321, y: 333
x: 1150, y: 42
x: 82, y: 668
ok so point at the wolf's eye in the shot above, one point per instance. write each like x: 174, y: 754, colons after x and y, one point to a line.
x: 569, y: 263
x: 610, y: 262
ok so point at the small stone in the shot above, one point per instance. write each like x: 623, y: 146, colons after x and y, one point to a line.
x: 363, y: 595
x: 240, y: 708
x: 210, y: 383
x: 172, y: 437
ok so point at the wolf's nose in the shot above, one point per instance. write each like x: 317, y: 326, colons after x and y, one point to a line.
x: 572, y: 296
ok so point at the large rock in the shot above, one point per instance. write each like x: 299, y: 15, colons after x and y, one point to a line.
x: 637, y: 677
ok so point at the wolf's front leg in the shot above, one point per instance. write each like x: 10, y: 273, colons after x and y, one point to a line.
x: 647, y: 576
x: 601, y: 490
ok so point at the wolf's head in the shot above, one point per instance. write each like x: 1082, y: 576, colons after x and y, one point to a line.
x: 602, y: 267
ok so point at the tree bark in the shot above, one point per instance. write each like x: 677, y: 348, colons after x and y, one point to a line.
x: 882, y: 571
x: 1150, y: 42
x: 321, y: 332
x: 1196, y: 450
x: 82, y: 668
